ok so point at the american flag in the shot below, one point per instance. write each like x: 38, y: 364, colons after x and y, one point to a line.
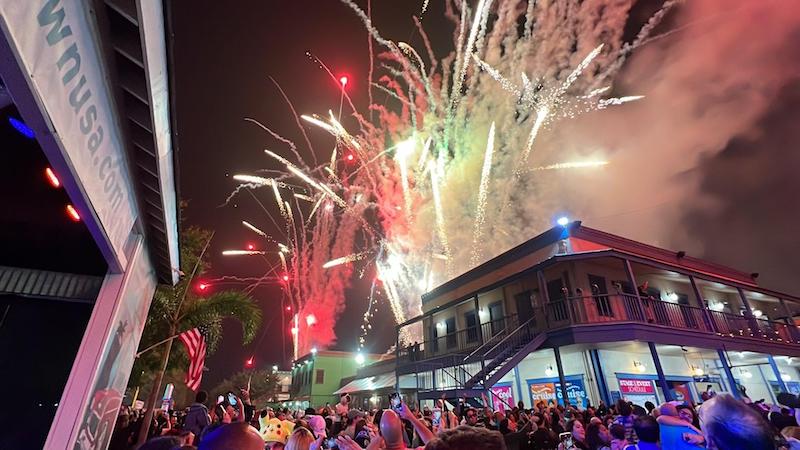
x: 196, y: 348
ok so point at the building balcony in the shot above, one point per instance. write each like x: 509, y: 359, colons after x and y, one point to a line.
x: 456, y: 348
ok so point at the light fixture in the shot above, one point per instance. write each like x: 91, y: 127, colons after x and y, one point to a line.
x: 548, y: 371
x: 563, y: 221
x: 440, y: 325
x: 757, y: 313
x: 639, y: 366
x: 73, y: 213
x: 21, y: 128
x: 785, y: 376
x: 360, y: 358
x: 715, y: 306
x: 747, y: 374
x: 51, y: 177
x: 314, y: 350
x: 697, y: 371
x: 672, y: 296
x: 274, y: 368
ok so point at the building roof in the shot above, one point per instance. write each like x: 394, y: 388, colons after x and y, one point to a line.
x: 575, y: 238
x: 374, y: 383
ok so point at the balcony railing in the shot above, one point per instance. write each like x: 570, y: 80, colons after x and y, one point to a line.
x: 600, y: 309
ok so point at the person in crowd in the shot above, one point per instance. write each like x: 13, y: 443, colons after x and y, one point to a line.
x: 597, y: 436
x: 618, y: 439
x: 675, y: 432
x: 233, y: 436
x: 161, y: 443
x: 729, y: 424
x: 197, y: 418
x: 467, y: 438
x: 625, y: 418
x: 577, y: 436
x: 515, y: 440
x: 302, y: 439
x: 646, y: 429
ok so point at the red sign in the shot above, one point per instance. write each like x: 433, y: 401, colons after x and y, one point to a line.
x: 504, y: 397
x: 640, y: 387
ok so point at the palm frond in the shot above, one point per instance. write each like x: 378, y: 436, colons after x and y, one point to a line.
x: 208, y: 312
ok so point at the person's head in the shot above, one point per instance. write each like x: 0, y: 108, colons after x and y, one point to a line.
x: 344, y: 399
x: 597, y: 435
x: 201, y: 397
x: 649, y: 406
x: 646, y: 429
x: 729, y: 424
x: 467, y: 438
x: 234, y: 436
x: 161, y: 443
x: 575, y: 427
x: 301, y: 439
x: 687, y: 414
x: 617, y: 431
x: 392, y: 429
x: 624, y: 408
x: 472, y: 416
x: 668, y: 409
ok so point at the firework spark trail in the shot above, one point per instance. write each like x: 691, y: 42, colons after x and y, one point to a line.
x: 242, y: 252
x: 319, y: 186
x: 345, y: 260
x: 254, y: 229
x: 571, y: 165
x: 605, y: 103
x: 252, y: 179
x: 481, y: 12
x: 278, y: 199
x: 483, y: 193
x: 404, y: 150
x: 441, y: 227
x: 423, y: 157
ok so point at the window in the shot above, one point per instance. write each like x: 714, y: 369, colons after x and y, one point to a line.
x: 450, y: 326
x: 320, y: 376
x: 496, y: 316
x: 471, y: 319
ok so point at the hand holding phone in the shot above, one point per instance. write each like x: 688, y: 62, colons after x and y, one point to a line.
x: 395, y: 401
x: 232, y: 398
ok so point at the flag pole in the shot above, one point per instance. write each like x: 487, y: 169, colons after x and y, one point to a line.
x: 164, y: 341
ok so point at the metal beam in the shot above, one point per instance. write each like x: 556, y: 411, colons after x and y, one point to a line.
x: 777, y: 371
x: 561, y: 379
x: 726, y: 366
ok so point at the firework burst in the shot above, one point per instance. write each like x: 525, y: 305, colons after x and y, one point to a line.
x: 415, y: 211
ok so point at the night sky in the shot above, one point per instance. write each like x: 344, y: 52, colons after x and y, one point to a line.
x: 738, y: 205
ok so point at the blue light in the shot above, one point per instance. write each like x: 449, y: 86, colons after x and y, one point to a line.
x: 21, y: 127
x: 563, y: 221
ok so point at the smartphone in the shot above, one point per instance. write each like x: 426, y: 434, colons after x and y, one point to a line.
x: 331, y: 443
x: 566, y: 439
x: 220, y: 399
x: 395, y: 400
x: 232, y: 398
x: 437, y: 417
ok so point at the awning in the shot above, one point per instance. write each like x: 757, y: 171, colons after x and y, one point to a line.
x: 382, y: 381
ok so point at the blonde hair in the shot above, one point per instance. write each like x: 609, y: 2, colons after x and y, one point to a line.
x: 301, y: 439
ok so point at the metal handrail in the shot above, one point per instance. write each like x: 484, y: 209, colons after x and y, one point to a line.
x: 524, y: 325
x: 502, y: 333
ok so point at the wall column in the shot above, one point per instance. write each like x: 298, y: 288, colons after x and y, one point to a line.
x: 561, y: 377
x: 703, y: 305
x: 662, y: 380
x: 635, y: 287
x: 777, y: 371
x: 602, y: 386
x: 726, y: 366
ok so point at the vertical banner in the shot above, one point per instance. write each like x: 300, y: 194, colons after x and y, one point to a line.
x: 502, y: 396
x: 57, y: 48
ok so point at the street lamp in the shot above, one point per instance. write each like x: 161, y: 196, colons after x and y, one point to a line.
x: 360, y: 358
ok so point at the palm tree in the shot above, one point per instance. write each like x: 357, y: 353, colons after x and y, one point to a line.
x: 179, y: 308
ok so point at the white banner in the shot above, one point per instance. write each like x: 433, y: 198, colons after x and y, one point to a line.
x: 56, y: 41
x: 96, y: 385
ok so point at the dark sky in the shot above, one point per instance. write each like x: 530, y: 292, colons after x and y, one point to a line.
x: 225, y: 52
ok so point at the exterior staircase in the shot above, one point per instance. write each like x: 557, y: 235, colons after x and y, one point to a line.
x: 503, y: 352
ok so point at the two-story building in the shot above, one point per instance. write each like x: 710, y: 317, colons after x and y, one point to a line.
x: 317, y: 375
x: 581, y: 314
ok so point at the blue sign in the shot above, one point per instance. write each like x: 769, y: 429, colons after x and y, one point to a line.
x: 548, y: 389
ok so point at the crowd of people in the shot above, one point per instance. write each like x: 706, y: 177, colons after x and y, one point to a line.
x: 721, y: 423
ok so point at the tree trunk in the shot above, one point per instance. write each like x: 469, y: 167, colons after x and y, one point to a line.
x: 153, y: 398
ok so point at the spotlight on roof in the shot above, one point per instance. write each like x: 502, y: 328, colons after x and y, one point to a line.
x: 680, y: 254
x: 563, y: 221
x: 754, y: 275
